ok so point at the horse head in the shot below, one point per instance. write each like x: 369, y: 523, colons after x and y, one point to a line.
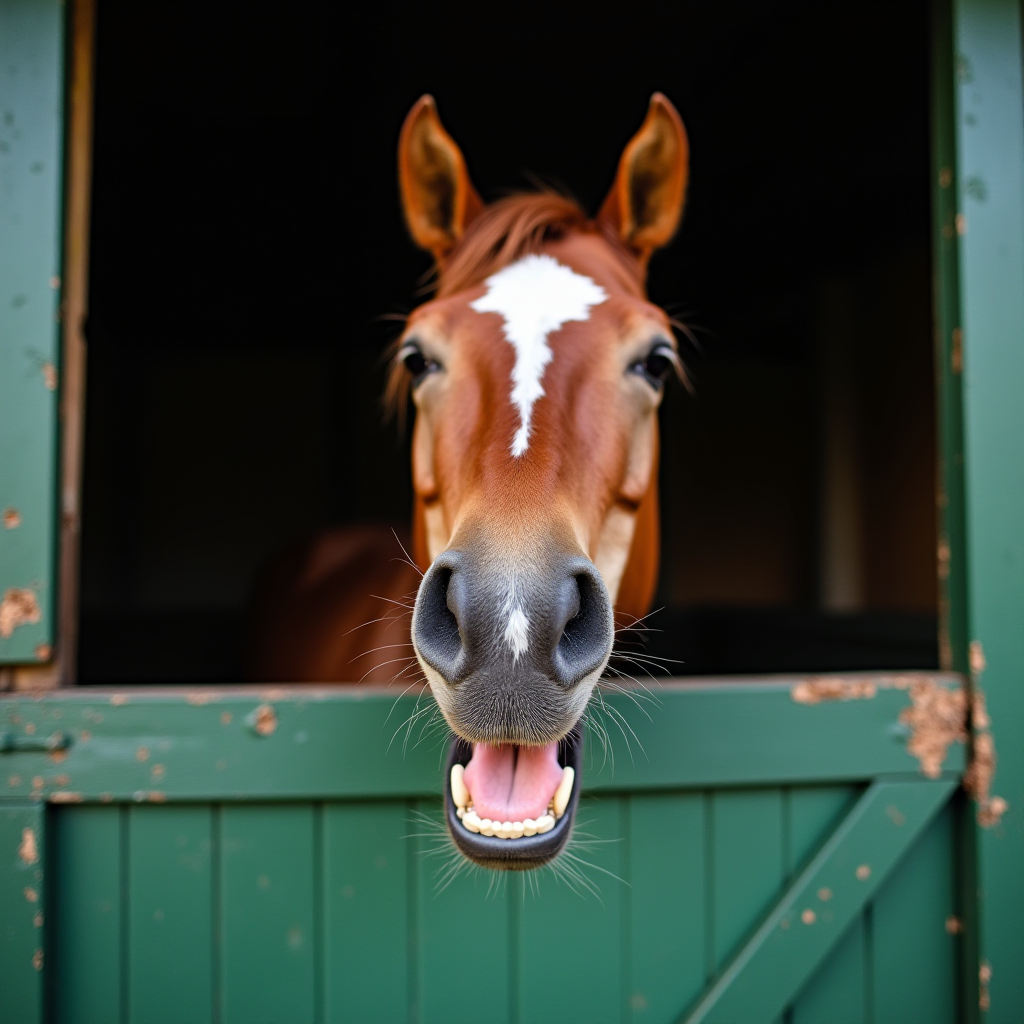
x: 536, y: 372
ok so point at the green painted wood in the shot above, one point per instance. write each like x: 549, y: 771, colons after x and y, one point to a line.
x: 913, y: 952
x: 366, y: 864
x: 31, y: 128
x: 989, y: 132
x: 88, y: 936
x: 747, y: 865
x: 170, y: 938
x: 802, y: 928
x: 570, y: 932
x: 463, y: 931
x: 333, y: 742
x: 835, y: 992
x: 667, y: 926
x: 267, y: 892
x: 22, y: 906
x: 954, y: 632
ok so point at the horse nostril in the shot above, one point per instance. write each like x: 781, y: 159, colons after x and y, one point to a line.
x: 436, y: 620
x: 585, y: 639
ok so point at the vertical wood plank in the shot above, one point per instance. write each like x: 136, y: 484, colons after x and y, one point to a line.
x: 462, y: 951
x: 267, y: 916
x: 666, y: 953
x: 366, y: 912
x: 748, y: 867
x: 913, y: 954
x: 835, y: 995
x: 21, y: 913
x: 88, y: 940
x: 567, y: 934
x: 170, y: 915
x: 31, y: 170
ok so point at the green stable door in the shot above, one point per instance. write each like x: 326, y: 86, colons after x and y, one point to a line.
x: 782, y: 850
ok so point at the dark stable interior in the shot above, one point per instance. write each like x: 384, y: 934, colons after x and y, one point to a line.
x: 249, y: 256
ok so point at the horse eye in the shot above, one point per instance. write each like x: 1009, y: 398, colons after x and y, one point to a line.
x: 656, y: 366
x: 416, y: 363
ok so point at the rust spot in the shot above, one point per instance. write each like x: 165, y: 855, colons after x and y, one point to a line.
x: 984, y: 977
x: 14, y: 780
x: 824, y: 895
x: 43, y: 652
x: 85, y: 735
x: 61, y: 780
x: 30, y: 728
x: 815, y: 691
x: 863, y: 872
x: 37, y: 959
x: 200, y: 698
x: 38, y: 782
x: 19, y: 607
x: 64, y: 796
x: 155, y: 796
x: 28, y: 850
x: 106, y: 798
x: 937, y: 718
x: 961, y: 224
x: 954, y: 926
x: 264, y: 720
x: 38, y: 919
x: 31, y: 895
x: 808, y: 916
x: 12, y: 518
x: 117, y: 700
x: 142, y: 754
x: 225, y: 718
x: 58, y: 756
x: 157, y: 771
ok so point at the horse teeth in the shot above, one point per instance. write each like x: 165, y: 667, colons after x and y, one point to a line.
x: 486, y: 827
x: 518, y: 829
x: 472, y: 821
x: 545, y: 823
x: 561, y: 798
x: 460, y: 794
x: 506, y: 829
x: 529, y: 827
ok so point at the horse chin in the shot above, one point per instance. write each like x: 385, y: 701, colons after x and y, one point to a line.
x: 526, y: 852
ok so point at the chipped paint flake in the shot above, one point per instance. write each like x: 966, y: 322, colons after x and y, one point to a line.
x: 937, y: 718
x: 64, y: 796
x: 19, y: 607
x: 815, y: 691
x: 12, y: 518
x: 28, y: 849
x: 263, y: 720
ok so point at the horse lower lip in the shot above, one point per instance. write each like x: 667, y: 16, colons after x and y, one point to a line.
x: 521, y: 853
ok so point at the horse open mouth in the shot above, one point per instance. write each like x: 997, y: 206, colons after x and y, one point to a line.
x: 511, y: 807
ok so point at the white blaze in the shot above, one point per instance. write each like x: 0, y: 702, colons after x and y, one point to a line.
x: 535, y: 296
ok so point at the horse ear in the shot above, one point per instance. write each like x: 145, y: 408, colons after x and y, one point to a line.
x: 646, y: 201
x: 437, y: 196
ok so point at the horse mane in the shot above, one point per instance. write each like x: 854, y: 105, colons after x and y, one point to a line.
x: 506, y: 231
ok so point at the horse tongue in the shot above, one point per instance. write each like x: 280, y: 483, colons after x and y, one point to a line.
x: 509, y: 783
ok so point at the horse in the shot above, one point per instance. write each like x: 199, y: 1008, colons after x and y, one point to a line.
x: 536, y: 372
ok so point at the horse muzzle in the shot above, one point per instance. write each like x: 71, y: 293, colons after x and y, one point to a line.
x: 512, y: 658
